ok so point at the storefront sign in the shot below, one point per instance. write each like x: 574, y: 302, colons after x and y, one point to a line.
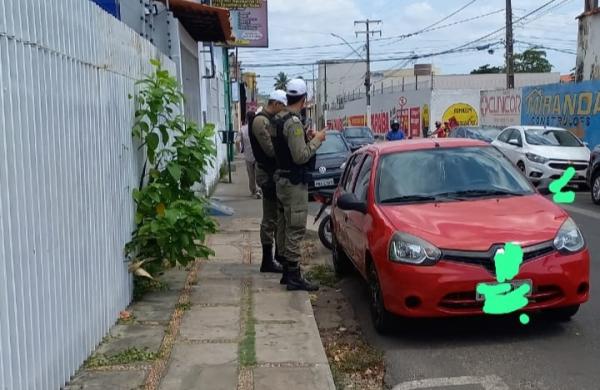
x: 249, y: 19
x: 501, y: 108
x: 461, y: 114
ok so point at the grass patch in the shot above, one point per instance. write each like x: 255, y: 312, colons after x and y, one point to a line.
x: 143, y: 286
x: 323, y: 274
x: 129, y: 356
x: 247, y: 347
x: 183, y: 306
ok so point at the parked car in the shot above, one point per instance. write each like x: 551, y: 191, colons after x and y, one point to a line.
x: 484, y: 133
x: 545, y: 152
x: 593, y: 176
x: 329, y: 163
x: 422, y: 221
x: 358, y: 137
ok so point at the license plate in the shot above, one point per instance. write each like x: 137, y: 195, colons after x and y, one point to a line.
x: 324, y: 182
x: 514, y: 283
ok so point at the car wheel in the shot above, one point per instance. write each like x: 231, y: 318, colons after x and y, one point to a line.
x: 521, y: 166
x: 379, y: 315
x: 341, y: 263
x: 325, y: 232
x: 563, y: 314
x: 596, y: 188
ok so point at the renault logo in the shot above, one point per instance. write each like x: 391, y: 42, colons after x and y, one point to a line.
x: 322, y: 170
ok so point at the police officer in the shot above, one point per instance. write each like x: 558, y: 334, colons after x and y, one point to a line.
x: 262, y: 147
x: 395, y: 134
x: 294, y: 152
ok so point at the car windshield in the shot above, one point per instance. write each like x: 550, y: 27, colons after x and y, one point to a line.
x: 357, y: 132
x: 448, y: 174
x: 333, y: 144
x: 551, y: 138
x: 488, y: 133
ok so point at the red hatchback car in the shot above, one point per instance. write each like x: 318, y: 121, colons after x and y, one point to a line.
x: 422, y: 221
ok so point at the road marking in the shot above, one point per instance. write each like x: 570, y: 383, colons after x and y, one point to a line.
x: 582, y: 211
x: 490, y: 382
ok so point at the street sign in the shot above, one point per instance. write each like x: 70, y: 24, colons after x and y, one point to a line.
x: 249, y: 19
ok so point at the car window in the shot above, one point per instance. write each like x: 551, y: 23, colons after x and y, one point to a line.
x: 443, y: 172
x: 347, y: 171
x: 516, y: 134
x: 551, y: 138
x: 333, y: 144
x: 503, y: 137
x: 361, y: 189
x: 352, y: 170
x: 357, y: 132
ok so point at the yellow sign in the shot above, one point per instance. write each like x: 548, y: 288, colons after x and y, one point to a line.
x: 461, y: 114
x: 425, y: 116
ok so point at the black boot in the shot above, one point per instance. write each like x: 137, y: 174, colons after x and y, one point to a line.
x: 296, y: 282
x: 284, y: 264
x: 268, y: 264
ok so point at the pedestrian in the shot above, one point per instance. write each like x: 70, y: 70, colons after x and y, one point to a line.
x: 438, y: 128
x: 395, y: 134
x: 260, y: 138
x: 243, y: 144
x: 294, y: 151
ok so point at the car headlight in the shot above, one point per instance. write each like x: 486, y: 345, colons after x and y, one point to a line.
x: 536, y: 158
x: 405, y: 248
x: 569, y: 239
x: 343, y: 166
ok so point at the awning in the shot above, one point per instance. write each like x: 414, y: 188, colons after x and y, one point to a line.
x: 203, y: 22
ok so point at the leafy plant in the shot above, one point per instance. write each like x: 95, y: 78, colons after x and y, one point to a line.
x: 129, y: 356
x: 172, y: 222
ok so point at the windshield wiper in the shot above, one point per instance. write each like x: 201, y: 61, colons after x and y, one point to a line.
x: 478, y: 193
x: 410, y: 198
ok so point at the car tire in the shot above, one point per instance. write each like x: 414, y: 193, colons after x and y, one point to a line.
x: 563, y: 314
x: 521, y: 166
x: 325, y: 234
x: 595, y: 190
x: 381, y: 318
x: 342, y: 265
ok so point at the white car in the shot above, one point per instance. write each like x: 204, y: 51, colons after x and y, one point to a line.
x: 545, y: 152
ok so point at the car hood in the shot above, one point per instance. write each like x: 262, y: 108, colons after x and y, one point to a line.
x: 330, y: 161
x: 561, y: 152
x: 477, y: 225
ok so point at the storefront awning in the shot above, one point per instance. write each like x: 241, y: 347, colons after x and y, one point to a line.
x: 203, y: 22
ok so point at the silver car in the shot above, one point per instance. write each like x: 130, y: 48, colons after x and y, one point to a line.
x: 545, y: 152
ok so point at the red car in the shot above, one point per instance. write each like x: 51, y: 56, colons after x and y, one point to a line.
x: 422, y: 221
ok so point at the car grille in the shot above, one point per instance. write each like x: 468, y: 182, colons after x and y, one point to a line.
x: 466, y: 300
x: 486, y: 259
x: 565, y: 166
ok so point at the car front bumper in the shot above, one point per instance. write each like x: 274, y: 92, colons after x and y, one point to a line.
x: 554, y: 170
x: 448, y: 288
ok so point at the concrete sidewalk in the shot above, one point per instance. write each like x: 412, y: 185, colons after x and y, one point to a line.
x: 243, y: 329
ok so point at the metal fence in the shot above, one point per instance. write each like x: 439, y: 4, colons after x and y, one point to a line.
x: 67, y: 168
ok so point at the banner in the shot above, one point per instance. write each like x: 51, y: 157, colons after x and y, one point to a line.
x: 415, y: 122
x: 461, y: 114
x: 250, y: 22
x: 501, y: 108
x: 572, y: 106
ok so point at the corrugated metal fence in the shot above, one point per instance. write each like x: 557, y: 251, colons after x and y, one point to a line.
x: 67, y: 169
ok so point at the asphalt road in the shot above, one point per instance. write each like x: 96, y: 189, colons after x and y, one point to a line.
x: 495, y: 353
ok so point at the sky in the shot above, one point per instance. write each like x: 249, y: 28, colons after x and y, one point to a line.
x: 311, y: 24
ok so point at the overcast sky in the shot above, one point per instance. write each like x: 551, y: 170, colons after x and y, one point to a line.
x: 311, y: 22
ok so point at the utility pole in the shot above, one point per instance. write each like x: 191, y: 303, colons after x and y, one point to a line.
x: 368, y: 32
x: 325, y: 108
x: 510, y: 70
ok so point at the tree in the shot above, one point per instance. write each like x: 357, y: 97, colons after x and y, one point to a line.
x: 532, y: 61
x: 487, y: 68
x: 281, y: 81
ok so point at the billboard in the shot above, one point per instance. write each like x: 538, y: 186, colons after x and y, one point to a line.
x: 501, y: 108
x: 573, y: 106
x: 250, y: 22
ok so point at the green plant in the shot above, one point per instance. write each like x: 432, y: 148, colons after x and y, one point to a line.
x: 183, y: 306
x: 172, y: 222
x: 131, y: 355
x: 323, y: 274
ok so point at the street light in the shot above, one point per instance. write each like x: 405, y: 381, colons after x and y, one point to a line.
x: 348, y: 44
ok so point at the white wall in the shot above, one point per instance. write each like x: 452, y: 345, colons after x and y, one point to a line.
x: 442, y: 100
x: 68, y: 166
x: 588, y: 49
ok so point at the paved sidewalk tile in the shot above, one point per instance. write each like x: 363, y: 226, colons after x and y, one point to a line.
x: 301, y: 378
x: 102, y: 380
x: 211, y: 323
x: 197, y: 377
x: 283, y: 343
x: 138, y: 336
x: 281, y: 306
x: 227, y: 254
x: 216, y: 292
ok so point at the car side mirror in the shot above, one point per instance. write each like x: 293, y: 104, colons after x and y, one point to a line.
x: 514, y: 142
x: 348, y: 202
x: 544, y: 187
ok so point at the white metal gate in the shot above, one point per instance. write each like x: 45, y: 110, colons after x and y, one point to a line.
x: 67, y: 169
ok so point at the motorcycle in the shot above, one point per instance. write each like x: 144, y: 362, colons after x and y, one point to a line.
x: 325, y: 197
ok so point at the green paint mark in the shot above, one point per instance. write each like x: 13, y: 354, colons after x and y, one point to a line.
x: 557, y: 186
x: 501, y: 298
x: 524, y: 318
